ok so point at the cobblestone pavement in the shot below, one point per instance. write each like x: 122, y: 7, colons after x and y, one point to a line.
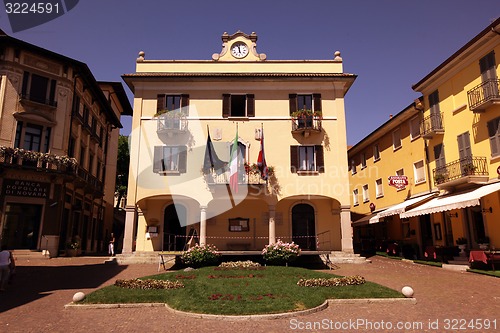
x: 35, y: 302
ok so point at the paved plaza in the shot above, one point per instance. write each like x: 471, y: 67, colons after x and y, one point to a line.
x: 35, y: 302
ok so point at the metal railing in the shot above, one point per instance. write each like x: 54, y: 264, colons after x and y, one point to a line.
x: 469, y: 166
x: 432, y: 124
x: 484, y: 92
x: 306, y: 123
x: 46, y: 162
x: 176, y: 123
x: 250, y: 178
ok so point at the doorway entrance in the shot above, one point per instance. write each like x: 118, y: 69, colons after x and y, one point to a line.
x: 21, y: 226
x: 174, y: 228
x: 303, y: 227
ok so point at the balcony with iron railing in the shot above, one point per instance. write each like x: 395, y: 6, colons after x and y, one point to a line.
x: 306, y: 124
x: 221, y: 177
x: 484, y: 95
x: 432, y: 125
x: 172, y: 122
x: 38, y: 100
x: 16, y: 158
x: 469, y: 170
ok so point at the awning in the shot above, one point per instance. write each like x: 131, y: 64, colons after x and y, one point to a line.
x: 368, y: 219
x: 447, y: 202
x: 401, y: 207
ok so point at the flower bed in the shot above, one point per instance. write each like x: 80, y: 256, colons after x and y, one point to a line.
x: 333, y: 282
x: 239, y: 265
x: 148, y: 284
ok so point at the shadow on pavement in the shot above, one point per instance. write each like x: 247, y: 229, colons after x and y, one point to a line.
x: 35, y: 282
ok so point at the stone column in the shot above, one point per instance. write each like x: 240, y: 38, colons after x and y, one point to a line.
x: 272, y: 224
x: 346, y: 229
x: 203, y: 225
x: 128, y: 237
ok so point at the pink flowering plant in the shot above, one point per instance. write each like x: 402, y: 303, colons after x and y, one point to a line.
x: 199, y: 256
x: 280, y: 253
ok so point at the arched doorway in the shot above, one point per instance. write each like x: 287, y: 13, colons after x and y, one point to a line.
x: 303, y: 226
x: 174, y: 225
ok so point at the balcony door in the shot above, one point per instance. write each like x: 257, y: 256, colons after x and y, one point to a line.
x: 487, y: 66
x: 465, y: 153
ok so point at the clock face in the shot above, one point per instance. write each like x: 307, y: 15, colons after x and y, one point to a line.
x: 239, y: 50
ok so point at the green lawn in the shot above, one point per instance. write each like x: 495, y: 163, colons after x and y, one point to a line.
x: 484, y: 272
x: 271, y: 289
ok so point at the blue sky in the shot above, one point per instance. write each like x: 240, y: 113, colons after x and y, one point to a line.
x: 389, y: 44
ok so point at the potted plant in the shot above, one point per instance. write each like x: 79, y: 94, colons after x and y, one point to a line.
x: 280, y: 253
x: 469, y: 169
x: 462, y: 244
x: 440, y: 178
x: 73, y: 246
x: 483, y: 243
x: 305, y: 117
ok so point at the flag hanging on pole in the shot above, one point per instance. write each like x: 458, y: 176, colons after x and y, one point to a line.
x: 211, y: 160
x: 233, y: 164
x: 261, y: 160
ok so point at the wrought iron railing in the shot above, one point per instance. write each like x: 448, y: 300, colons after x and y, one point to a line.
x: 469, y: 166
x: 484, y: 92
x: 30, y: 160
x: 432, y: 124
x: 217, y: 177
x: 176, y: 123
x: 306, y: 123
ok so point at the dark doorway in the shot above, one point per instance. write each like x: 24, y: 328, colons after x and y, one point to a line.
x: 21, y: 226
x: 174, y: 228
x: 303, y: 227
x: 426, y: 230
x: 478, y: 224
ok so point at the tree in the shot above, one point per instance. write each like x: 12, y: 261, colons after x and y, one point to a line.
x: 122, y: 166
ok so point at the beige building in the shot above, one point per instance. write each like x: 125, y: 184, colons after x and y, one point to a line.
x: 58, y: 145
x: 238, y: 96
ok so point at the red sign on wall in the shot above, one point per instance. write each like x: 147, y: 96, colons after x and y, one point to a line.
x: 398, y: 182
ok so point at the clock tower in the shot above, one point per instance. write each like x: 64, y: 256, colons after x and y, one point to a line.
x: 239, y: 47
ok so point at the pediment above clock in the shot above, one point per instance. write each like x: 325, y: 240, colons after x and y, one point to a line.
x: 239, y: 47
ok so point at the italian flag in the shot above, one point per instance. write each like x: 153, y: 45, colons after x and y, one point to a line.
x: 233, y: 165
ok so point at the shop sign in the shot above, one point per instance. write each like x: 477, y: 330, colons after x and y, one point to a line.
x: 398, y: 182
x: 25, y: 188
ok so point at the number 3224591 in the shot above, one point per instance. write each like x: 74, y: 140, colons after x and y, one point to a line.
x: 35, y: 8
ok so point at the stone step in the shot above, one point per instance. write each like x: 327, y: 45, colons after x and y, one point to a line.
x: 339, y: 257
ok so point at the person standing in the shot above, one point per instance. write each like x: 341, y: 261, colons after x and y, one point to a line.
x: 7, y: 264
x: 111, y: 246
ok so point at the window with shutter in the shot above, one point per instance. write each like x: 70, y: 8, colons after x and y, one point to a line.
x: 439, y: 157
x: 494, y: 135
x: 238, y: 105
x: 170, y: 159
x: 307, y: 158
x: 293, y: 103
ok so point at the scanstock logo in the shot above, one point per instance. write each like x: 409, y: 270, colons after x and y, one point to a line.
x: 27, y: 14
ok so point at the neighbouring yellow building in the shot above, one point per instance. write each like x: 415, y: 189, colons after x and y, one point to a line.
x: 180, y: 185
x: 449, y: 155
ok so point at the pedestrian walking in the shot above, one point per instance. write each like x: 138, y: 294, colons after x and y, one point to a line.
x: 7, y: 267
x: 111, y: 246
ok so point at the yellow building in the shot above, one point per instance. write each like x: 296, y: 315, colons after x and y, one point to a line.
x: 450, y: 154
x: 388, y: 175
x: 238, y: 96
x: 58, y: 139
x: 462, y: 129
